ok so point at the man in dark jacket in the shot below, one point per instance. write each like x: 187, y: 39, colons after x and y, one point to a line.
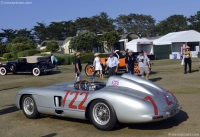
x: 78, y: 67
x: 130, y: 61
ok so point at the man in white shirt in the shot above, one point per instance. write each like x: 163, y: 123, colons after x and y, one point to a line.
x: 144, y: 64
x: 112, y: 63
x: 52, y: 59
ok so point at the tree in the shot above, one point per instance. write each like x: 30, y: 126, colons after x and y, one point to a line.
x: 3, y: 49
x: 40, y: 32
x: 9, y: 34
x: 52, y: 46
x: 110, y: 38
x: 137, y: 23
x: 195, y: 21
x: 24, y: 33
x: 20, y: 44
x: 56, y: 31
x: 173, y: 23
x: 102, y: 23
x: 70, y: 28
x: 83, y: 24
x: 84, y: 41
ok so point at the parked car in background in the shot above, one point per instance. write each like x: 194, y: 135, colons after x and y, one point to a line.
x: 35, y: 65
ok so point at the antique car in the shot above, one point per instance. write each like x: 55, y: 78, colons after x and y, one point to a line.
x: 35, y: 65
x: 122, y: 99
x: 89, y: 68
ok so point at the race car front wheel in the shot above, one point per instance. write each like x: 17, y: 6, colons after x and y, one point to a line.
x: 102, y: 115
x: 29, y: 107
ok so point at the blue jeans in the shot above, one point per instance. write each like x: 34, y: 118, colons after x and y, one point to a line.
x: 131, y: 71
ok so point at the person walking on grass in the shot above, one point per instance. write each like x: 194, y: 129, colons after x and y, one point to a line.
x: 97, y: 65
x: 112, y: 63
x: 187, y: 59
x: 78, y: 67
x: 144, y: 65
x: 130, y: 61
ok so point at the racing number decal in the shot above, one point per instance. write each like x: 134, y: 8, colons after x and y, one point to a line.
x: 153, y: 103
x: 80, y: 106
x: 73, y: 100
x: 167, y: 100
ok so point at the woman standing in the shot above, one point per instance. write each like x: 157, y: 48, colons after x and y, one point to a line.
x: 187, y: 59
x: 97, y: 65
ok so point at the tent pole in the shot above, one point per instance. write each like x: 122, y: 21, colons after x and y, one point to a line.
x: 199, y: 46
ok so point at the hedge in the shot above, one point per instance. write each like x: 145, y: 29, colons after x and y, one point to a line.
x: 25, y: 53
x: 7, y: 55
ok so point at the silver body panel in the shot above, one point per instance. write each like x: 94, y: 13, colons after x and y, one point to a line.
x: 135, y: 100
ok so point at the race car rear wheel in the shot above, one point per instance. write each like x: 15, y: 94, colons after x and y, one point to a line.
x: 3, y: 71
x: 102, y: 115
x: 29, y: 107
x: 36, y: 71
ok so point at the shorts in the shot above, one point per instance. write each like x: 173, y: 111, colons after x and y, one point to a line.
x: 144, y: 70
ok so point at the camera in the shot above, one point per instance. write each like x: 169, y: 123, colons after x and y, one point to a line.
x: 142, y: 60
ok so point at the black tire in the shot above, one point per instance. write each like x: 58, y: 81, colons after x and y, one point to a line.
x: 36, y: 71
x: 29, y: 107
x: 3, y: 71
x: 106, y: 118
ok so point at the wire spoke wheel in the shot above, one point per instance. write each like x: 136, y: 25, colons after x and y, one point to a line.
x: 28, y: 106
x: 101, y: 113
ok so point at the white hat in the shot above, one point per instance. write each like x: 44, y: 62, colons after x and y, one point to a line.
x: 96, y: 54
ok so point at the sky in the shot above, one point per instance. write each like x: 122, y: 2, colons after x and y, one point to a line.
x: 15, y: 14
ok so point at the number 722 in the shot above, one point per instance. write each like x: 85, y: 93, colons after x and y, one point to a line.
x: 71, y: 104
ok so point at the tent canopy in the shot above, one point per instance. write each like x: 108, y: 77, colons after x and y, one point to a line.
x: 182, y: 36
x: 140, y: 44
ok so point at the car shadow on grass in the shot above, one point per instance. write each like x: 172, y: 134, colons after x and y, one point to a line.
x: 71, y: 119
x: 165, y: 124
x: 12, y: 108
x: 155, y: 79
x: 10, y: 88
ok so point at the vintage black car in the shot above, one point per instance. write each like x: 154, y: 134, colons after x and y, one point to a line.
x: 35, y: 65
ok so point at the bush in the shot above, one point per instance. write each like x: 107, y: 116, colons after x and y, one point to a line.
x: 25, y: 53
x: 7, y: 55
x: 85, y: 57
x: 63, y: 60
x: 103, y: 55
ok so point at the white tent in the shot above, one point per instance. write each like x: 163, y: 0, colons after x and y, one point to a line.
x: 137, y: 45
x: 182, y: 36
x: 176, y: 40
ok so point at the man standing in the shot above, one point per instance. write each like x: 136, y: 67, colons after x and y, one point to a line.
x: 144, y: 65
x: 112, y: 63
x: 187, y: 59
x: 52, y: 59
x: 78, y: 67
x: 130, y: 61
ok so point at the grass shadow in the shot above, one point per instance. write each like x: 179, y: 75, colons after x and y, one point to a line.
x: 50, y: 135
x: 10, y: 88
x: 155, y: 79
x: 8, y: 110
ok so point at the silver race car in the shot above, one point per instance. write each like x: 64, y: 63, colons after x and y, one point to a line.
x: 123, y: 99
